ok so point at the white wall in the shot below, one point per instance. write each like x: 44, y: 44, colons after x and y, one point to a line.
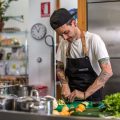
x: 40, y: 73
x: 68, y: 4
x: 18, y: 8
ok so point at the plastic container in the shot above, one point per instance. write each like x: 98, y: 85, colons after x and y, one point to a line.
x: 42, y: 89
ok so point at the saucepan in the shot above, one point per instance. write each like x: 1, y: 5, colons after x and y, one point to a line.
x: 27, y: 103
x: 19, y: 90
x: 7, y: 102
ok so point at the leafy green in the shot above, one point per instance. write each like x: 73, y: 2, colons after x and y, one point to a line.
x: 61, y: 102
x: 112, y: 104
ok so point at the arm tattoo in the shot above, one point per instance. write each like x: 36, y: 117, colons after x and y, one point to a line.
x: 106, y: 72
x: 104, y: 77
x: 60, y: 65
x: 60, y: 72
x: 104, y: 61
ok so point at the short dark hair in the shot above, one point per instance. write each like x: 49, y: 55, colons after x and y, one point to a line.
x: 60, y: 17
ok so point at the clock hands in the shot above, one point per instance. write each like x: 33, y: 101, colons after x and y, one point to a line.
x: 37, y: 28
x: 38, y: 31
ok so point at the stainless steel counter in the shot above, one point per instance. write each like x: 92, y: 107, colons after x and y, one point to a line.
x: 13, y: 115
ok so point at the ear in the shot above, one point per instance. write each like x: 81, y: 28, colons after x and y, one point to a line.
x: 73, y: 23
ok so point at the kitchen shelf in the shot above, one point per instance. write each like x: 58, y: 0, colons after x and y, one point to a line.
x: 14, y: 60
x: 12, y: 46
x: 14, y: 79
x: 14, y: 33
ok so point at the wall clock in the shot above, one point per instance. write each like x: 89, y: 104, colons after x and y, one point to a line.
x: 38, y: 31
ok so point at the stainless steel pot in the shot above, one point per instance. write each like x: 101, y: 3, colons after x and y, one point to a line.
x: 7, y: 102
x: 20, y: 90
x: 23, y: 90
x: 27, y: 103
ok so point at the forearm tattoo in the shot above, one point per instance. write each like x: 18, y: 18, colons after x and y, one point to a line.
x: 60, y: 65
x: 106, y: 70
x: 60, y: 72
x: 106, y: 73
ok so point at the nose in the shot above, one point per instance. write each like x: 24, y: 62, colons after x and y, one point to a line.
x: 65, y: 36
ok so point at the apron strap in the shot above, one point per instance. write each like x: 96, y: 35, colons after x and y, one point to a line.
x: 84, y: 48
x: 68, y: 50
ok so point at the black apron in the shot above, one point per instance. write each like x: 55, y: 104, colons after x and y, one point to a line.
x: 81, y: 75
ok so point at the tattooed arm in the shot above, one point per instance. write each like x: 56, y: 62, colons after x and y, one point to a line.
x: 106, y: 73
x: 60, y: 72
x: 64, y: 81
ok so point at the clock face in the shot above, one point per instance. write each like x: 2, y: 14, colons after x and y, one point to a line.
x: 38, y: 31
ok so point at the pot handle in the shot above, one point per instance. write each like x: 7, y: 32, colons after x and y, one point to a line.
x: 34, y: 92
x: 25, y: 107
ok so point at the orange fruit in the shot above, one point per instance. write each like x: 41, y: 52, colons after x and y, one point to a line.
x: 65, y: 108
x: 65, y: 113
x: 55, y: 112
x: 80, y: 108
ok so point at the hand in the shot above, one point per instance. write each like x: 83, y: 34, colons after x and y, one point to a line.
x: 76, y: 94
x: 65, y: 90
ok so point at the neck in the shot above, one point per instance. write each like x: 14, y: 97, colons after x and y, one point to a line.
x: 78, y: 33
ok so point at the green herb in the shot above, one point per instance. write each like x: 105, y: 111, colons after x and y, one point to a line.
x: 112, y: 104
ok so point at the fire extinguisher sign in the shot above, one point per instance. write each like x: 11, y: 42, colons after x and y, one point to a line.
x: 45, y: 9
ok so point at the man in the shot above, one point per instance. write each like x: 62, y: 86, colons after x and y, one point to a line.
x: 83, y: 63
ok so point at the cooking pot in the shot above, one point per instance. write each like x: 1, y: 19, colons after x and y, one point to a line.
x: 44, y: 106
x: 7, y: 102
x: 20, y: 90
x: 24, y: 90
x: 27, y: 103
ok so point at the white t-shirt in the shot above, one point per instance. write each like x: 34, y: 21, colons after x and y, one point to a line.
x: 96, y: 50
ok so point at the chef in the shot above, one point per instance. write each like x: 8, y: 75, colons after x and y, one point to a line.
x: 83, y: 63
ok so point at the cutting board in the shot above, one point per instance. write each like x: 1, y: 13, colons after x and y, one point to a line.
x: 91, y: 110
x: 75, y: 104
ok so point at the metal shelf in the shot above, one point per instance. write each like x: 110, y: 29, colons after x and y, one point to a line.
x: 15, y: 32
x: 12, y: 46
x: 8, y: 72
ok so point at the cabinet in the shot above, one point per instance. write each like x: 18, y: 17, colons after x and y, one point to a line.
x: 13, y: 58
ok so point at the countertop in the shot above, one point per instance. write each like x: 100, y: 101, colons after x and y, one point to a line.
x: 14, y: 115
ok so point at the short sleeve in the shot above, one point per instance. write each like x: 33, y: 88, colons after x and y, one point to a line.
x: 99, y: 47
